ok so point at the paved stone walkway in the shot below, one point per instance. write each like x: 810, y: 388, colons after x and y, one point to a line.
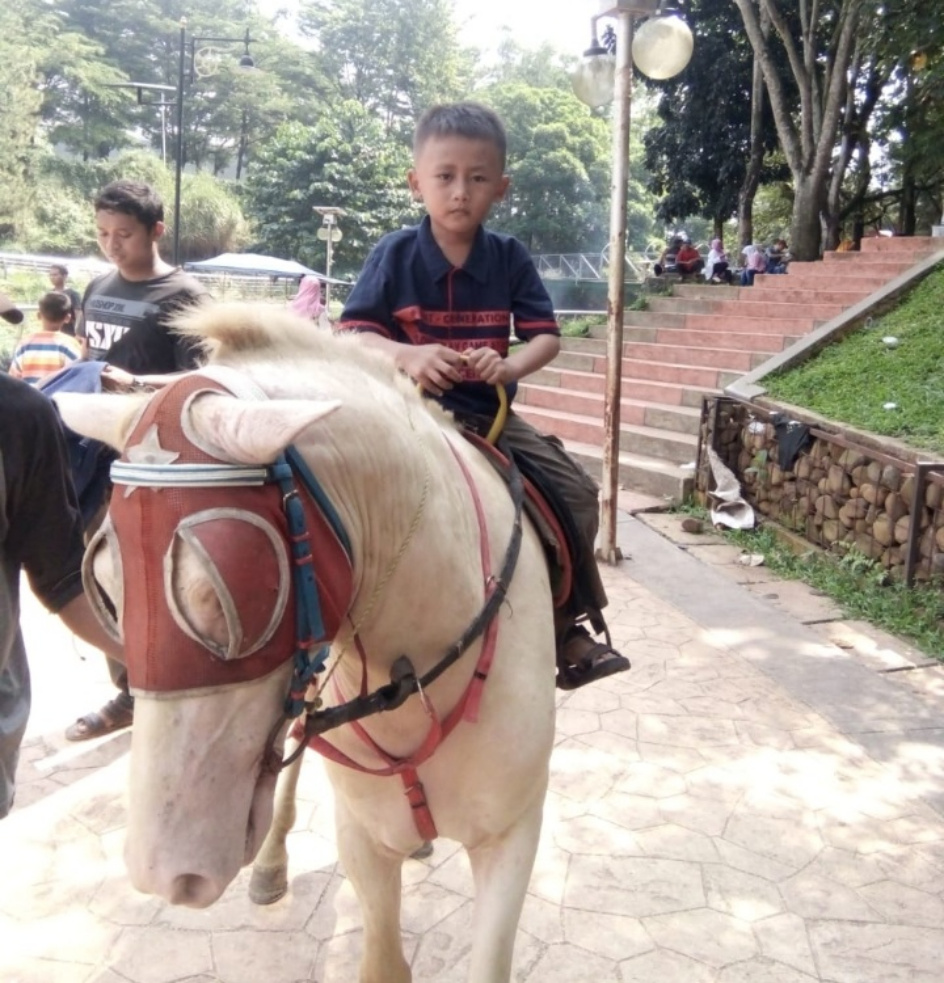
x: 759, y: 801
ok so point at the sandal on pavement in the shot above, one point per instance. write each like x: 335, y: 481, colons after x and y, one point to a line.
x: 115, y: 715
x: 582, y: 660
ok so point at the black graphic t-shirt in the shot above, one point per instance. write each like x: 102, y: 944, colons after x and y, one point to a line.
x: 126, y: 322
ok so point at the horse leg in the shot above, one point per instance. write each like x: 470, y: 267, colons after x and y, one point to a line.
x: 501, y: 869
x: 375, y: 873
x: 269, y: 879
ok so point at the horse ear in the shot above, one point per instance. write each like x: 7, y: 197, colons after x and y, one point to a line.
x: 250, y: 432
x: 107, y: 417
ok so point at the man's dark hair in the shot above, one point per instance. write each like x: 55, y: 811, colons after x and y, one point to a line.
x: 55, y: 306
x: 132, y: 198
x: 470, y: 120
x: 59, y: 268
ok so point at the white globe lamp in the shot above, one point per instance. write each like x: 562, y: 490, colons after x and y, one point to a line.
x: 594, y: 76
x: 662, y: 47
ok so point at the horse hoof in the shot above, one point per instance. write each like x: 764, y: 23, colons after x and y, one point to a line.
x: 267, y: 884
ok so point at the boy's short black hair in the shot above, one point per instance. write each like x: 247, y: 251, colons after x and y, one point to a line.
x: 132, y: 198
x: 461, y: 119
x: 59, y: 268
x: 55, y: 306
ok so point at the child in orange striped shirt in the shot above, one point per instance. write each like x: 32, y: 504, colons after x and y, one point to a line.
x: 48, y: 350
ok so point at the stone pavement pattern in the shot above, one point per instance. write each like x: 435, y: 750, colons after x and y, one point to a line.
x: 751, y: 804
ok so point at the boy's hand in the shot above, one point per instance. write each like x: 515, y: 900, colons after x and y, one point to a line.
x: 489, y: 366
x: 435, y: 367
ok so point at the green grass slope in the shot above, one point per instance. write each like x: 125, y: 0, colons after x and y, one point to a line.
x: 855, y: 380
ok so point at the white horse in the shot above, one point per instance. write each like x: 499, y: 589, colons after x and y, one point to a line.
x: 197, y: 580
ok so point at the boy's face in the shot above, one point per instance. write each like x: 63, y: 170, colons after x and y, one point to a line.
x: 458, y: 180
x: 57, y: 278
x: 126, y: 242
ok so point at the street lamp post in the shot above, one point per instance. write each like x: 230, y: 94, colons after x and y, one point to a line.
x: 246, y: 63
x: 661, y: 49
x: 331, y: 234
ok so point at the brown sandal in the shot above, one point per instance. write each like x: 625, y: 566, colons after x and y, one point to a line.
x: 115, y: 715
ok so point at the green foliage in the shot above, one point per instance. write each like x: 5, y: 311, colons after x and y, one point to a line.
x: 773, y: 206
x: 344, y: 159
x: 393, y: 57
x: 580, y: 325
x: 62, y: 223
x: 699, y: 152
x: 558, y: 197
x: 858, y: 584
x: 21, y: 102
x: 852, y: 380
x: 211, y: 219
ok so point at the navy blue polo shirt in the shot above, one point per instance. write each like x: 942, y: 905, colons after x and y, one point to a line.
x: 410, y: 293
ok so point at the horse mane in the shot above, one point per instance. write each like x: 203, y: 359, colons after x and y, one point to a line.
x: 236, y: 333
x: 244, y: 334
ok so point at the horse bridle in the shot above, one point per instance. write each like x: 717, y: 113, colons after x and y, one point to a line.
x: 288, y: 471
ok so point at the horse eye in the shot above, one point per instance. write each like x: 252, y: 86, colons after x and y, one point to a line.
x: 195, y: 596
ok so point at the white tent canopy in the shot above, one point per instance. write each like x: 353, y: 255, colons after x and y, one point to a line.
x: 254, y: 264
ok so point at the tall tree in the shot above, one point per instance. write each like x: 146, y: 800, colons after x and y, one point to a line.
x: 18, y: 83
x: 394, y: 57
x: 817, y: 40
x: 708, y: 152
x: 344, y: 160
x: 558, y: 157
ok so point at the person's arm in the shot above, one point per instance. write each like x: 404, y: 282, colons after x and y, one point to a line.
x: 78, y: 617
x: 434, y: 367
x: 535, y: 324
x: 490, y: 367
x: 369, y: 313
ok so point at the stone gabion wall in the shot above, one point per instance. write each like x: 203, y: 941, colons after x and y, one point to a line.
x: 836, y: 494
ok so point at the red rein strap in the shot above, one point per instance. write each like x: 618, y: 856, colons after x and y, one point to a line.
x: 466, y: 709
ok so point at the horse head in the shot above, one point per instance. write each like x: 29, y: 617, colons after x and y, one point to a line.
x: 193, y: 571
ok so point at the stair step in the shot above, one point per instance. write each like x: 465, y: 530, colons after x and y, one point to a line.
x: 661, y: 393
x: 868, y: 259
x: 720, y: 358
x: 637, y: 472
x: 795, y: 294
x: 778, y: 308
x: 678, y: 419
x: 646, y: 319
x: 878, y: 268
x: 692, y: 344
x: 735, y: 339
x: 846, y: 280
x: 732, y: 324
x: 901, y: 244
x: 672, y: 372
x: 671, y: 446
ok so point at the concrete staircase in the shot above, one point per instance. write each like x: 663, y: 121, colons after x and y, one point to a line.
x: 693, y: 344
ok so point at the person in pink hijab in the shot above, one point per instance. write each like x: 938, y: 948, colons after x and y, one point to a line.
x: 307, y: 302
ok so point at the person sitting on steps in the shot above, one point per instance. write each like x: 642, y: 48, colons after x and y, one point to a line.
x: 717, y: 267
x: 667, y: 260
x: 688, y: 260
x: 439, y: 298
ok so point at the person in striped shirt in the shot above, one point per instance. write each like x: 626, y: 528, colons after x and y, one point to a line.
x: 48, y: 350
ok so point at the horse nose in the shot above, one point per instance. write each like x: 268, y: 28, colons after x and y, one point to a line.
x: 193, y: 891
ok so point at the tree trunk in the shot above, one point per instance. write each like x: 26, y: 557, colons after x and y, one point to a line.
x: 756, y: 161
x: 806, y: 228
